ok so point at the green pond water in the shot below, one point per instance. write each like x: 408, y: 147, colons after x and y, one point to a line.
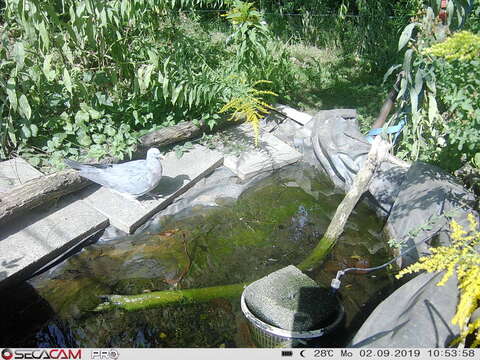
x: 274, y: 224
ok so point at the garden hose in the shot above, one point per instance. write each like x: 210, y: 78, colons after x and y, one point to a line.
x: 336, y: 282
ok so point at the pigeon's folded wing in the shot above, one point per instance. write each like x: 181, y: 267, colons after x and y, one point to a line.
x: 133, y: 177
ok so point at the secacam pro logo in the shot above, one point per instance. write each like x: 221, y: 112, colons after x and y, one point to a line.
x: 7, y: 354
x: 63, y: 354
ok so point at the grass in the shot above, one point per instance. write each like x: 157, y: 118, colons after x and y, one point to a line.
x: 329, y: 78
x: 327, y: 74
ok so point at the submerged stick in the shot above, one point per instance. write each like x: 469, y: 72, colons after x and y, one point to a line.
x: 169, y: 297
x: 376, y: 155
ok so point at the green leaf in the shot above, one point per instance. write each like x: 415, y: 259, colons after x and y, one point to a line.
x: 144, y: 75
x: 19, y: 55
x: 450, y: 11
x: 47, y: 68
x: 44, y: 35
x: 34, y: 160
x: 34, y: 129
x: 103, y: 18
x: 110, y: 131
x: 476, y: 160
x: 175, y: 93
x: 414, y: 98
x: 432, y: 108
x: 431, y: 85
x: 124, y: 7
x: 103, y: 99
x: 99, y: 138
x: 191, y: 97
x: 67, y: 81
x: 24, y: 108
x: 94, y: 114
x: 211, y: 123
x: 12, y: 135
x: 91, y: 31
x: 96, y: 151
x: 67, y: 52
x: 418, y: 81
x: 12, y: 94
x: 407, y: 64
x: 166, y: 93
x: 390, y: 71
x: 26, y: 132
x: 80, y: 8
x: 81, y: 117
x: 406, y: 35
x: 153, y: 57
x: 84, y: 140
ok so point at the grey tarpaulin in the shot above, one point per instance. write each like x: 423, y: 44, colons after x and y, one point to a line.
x: 333, y: 141
x: 418, y: 314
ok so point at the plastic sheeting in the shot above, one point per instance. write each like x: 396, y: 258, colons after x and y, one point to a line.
x: 418, y: 202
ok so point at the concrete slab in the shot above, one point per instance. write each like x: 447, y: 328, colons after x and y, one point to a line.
x: 30, y: 242
x: 299, y: 116
x: 286, y: 131
x: 272, y: 153
x: 15, y: 172
x: 179, y: 175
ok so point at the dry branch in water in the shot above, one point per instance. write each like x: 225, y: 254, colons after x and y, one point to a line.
x: 377, y: 154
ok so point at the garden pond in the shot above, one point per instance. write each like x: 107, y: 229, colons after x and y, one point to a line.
x: 275, y: 223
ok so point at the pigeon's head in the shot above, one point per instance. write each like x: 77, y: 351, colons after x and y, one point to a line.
x: 153, y: 154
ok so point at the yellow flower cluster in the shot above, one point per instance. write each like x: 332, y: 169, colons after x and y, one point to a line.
x: 463, y: 258
x: 250, y: 106
x: 463, y: 46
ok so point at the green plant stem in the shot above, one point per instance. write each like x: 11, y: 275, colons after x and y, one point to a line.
x: 169, y: 297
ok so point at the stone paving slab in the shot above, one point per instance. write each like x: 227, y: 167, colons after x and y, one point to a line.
x: 300, y: 117
x: 271, y: 154
x: 15, y: 172
x: 30, y: 242
x: 179, y: 175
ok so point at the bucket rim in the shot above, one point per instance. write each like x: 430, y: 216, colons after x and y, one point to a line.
x: 273, y: 330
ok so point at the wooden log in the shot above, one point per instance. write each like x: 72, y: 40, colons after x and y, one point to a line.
x: 38, y: 191
x: 376, y: 155
x: 388, y: 104
x: 170, y: 135
x: 169, y: 297
x: 46, y: 188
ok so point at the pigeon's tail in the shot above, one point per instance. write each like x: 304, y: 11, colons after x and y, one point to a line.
x: 73, y: 164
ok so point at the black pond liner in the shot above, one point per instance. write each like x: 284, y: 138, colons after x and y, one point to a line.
x: 267, y: 336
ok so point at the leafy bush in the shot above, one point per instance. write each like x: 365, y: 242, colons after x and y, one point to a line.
x: 87, y: 77
x: 457, y: 71
x: 89, y: 73
x: 439, y: 94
